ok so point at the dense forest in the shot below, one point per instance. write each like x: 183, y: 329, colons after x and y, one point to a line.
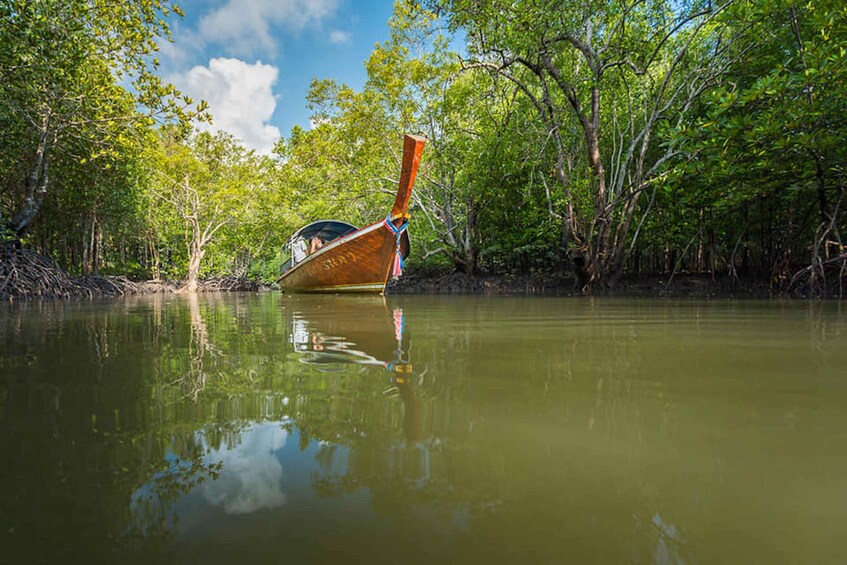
x: 596, y: 140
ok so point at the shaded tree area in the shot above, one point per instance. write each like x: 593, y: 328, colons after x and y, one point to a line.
x: 681, y: 137
x: 763, y: 185
x: 593, y: 142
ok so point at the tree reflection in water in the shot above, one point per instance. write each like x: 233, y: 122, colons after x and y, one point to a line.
x: 79, y: 432
x: 202, y: 403
x: 343, y: 425
x: 169, y: 426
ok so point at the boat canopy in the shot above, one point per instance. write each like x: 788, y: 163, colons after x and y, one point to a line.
x: 327, y: 230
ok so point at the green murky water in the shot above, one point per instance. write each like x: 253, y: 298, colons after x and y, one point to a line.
x: 262, y: 428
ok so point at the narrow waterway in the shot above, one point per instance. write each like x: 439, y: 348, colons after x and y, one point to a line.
x: 268, y: 428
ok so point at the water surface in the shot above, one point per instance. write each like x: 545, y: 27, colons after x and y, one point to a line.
x: 256, y: 428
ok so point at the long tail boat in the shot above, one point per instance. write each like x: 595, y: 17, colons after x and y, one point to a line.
x: 346, y: 259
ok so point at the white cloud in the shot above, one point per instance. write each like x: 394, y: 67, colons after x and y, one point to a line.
x: 339, y: 37
x: 240, y: 98
x: 251, y: 476
x: 245, y: 26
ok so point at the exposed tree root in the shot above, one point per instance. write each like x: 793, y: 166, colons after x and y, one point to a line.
x: 231, y: 283
x: 25, y: 274
x: 814, y: 279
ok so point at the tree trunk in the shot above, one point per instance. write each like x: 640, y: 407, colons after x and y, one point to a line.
x: 467, y: 262
x: 91, y: 248
x: 823, y: 206
x: 36, y: 183
x: 155, y: 261
x: 470, y: 239
x: 600, y: 256
x: 97, y: 256
x: 194, y: 260
x: 196, y: 250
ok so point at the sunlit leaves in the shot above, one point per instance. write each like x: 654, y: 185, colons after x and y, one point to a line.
x: 77, y: 80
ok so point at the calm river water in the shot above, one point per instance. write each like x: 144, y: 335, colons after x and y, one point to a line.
x: 269, y: 428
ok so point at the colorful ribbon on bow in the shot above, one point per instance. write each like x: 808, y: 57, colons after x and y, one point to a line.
x: 397, y: 269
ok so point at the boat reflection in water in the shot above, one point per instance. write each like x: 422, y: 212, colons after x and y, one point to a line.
x: 333, y: 332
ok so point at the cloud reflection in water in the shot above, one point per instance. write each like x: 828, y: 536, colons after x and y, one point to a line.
x: 251, y: 477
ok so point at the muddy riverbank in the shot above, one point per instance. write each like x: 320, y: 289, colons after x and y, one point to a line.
x: 28, y: 275
x: 563, y: 284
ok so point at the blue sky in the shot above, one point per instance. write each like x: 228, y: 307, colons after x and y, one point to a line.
x: 252, y: 60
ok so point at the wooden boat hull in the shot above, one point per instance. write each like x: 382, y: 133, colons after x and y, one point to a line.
x: 361, y: 261
x: 358, y: 262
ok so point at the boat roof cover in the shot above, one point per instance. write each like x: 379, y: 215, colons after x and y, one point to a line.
x: 327, y: 230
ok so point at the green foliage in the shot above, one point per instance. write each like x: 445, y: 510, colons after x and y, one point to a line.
x: 635, y: 136
x: 72, y: 133
x: 768, y: 144
x: 219, y: 198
